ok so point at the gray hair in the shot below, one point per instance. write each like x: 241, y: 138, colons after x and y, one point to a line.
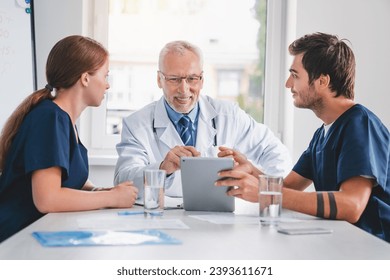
x: 179, y: 47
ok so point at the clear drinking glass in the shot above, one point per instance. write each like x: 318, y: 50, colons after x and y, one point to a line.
x: 154, y: 181
x: 270, y: 199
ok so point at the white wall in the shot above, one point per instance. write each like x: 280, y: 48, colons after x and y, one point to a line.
x: 54, y: 19
x: 364, y: 23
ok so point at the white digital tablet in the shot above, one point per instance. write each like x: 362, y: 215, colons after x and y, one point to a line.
x: 198, y: 175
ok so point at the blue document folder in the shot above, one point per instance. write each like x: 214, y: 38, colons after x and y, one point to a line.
x: 102, y: 238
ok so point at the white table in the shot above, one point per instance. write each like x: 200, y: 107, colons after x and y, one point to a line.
x: 205, y: 240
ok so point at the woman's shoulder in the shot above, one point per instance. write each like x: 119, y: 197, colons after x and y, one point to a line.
x: 47, y: 116
x: 48, y: 109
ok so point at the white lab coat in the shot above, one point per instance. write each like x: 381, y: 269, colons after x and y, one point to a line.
x: 148, y: 135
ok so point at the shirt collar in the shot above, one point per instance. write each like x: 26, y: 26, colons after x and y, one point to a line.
x: 326, y: 128
x: 175, y: 116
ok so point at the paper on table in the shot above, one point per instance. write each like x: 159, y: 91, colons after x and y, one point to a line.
x: 129, y: 223
x: 230, y: 219
x: 173, y: 202
x: 227, y: 219
x: 169, y: 202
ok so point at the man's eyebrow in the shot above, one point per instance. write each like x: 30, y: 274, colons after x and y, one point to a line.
x: 291, y: 70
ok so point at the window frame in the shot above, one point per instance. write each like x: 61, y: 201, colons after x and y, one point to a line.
x: 101, y: 146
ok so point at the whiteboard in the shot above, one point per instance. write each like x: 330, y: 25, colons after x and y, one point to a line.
x: 17, y: 55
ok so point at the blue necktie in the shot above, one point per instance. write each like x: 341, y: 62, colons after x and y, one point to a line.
x: 186, y: 131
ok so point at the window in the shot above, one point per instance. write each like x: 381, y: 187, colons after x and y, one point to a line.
x: 231, y: 34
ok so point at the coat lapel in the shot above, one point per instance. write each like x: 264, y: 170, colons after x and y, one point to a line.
x: 206, y: 132
x: 164, y: 128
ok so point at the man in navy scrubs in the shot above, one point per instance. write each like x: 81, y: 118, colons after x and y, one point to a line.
x: 348, y: 157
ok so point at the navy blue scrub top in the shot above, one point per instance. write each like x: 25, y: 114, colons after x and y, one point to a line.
x: 45, y: 139
x: 357, y: 144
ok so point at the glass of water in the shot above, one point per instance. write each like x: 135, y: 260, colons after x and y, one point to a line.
x: 154, y: 180
x: 270, y: 199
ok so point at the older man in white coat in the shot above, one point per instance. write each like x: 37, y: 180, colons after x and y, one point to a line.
x: 152, y: 138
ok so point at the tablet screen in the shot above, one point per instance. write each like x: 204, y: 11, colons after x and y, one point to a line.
x: 198, y: 175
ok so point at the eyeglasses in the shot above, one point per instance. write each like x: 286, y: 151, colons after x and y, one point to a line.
x: 192, y: 80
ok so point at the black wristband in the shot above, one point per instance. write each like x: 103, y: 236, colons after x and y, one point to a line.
x: 320, y: 205
x: 332, y: 206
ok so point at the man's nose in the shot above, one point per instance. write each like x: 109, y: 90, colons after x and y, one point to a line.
x: 288, y: 82
x: 184, y: 86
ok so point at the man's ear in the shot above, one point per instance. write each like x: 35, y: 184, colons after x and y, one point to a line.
x: 159, y: 80
x: 201, y: 83
x: 84, y: 79
x: 324, y: 81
